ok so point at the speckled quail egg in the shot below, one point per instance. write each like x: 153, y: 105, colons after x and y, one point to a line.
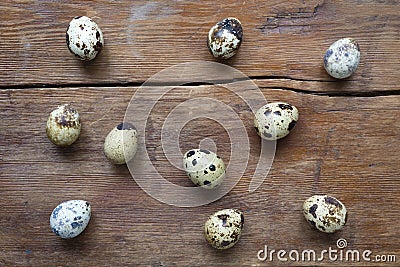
x: 342, y: 58
x: 70, y: 218
x: 120, y: 145
x: 223, y: 229
x: 275, y: 120
x: 325, y: 213
x: 225, y: 37
x: 84, y: 38
x: 63, y: 125
x: 204, y: 168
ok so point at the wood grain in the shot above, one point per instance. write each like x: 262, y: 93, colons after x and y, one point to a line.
x: 343, y: 146
x: 283, y: 39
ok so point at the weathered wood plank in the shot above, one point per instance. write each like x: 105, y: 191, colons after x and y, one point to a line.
x: 344, y: 146
x: 282, y: 38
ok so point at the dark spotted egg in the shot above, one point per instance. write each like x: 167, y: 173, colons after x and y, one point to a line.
x: 63, y: 125
x: 224, y: 228
x: 225, y: 37
x: 275, y: 120
x: 342, y: 58
x: 325, y: 213
x: 120, y: 145
x: 70, y: 218
x: 204, y: 168
x: 84, y: 38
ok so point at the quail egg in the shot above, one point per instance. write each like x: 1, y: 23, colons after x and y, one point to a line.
x: 342, y: 58
x: 70, y: 218
x: 275, y: 120
x: 120, y: 145
x: 84, y: 38
x: 223, y: 228
x: 63, y: 125
x: 325, y: 213
x: 225, y: 37
x: 204, y: 168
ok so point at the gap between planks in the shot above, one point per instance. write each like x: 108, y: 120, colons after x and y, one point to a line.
x: 373, y: 93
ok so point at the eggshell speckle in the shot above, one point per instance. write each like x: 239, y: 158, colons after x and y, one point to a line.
x: 120, y: 145
x: 275, y: 120
x: 70, y: 218
x: 84, y: 38
x: 225, y: 37
x: 63, y: 125
x: 342, y: 58
x: 204, y: 168
x: 224, y: 228
x: 325, y: 213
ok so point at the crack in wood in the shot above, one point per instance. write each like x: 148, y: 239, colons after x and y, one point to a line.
x: 374, y: 93
x: 292, y: 21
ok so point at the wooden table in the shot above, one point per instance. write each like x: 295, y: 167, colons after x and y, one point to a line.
x: 345, y: 144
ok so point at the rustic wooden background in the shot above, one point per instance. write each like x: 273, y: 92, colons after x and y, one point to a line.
x: 346, y: 143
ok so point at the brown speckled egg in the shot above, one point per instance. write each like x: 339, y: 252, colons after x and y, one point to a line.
x: 84, y: 38
x: 225, y: 37
x: 204, y: 168
x: 63, y: 125
x: 120, y: 145
x: 325, y: 213
x: 223, y: 228
x: 275, y: 120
